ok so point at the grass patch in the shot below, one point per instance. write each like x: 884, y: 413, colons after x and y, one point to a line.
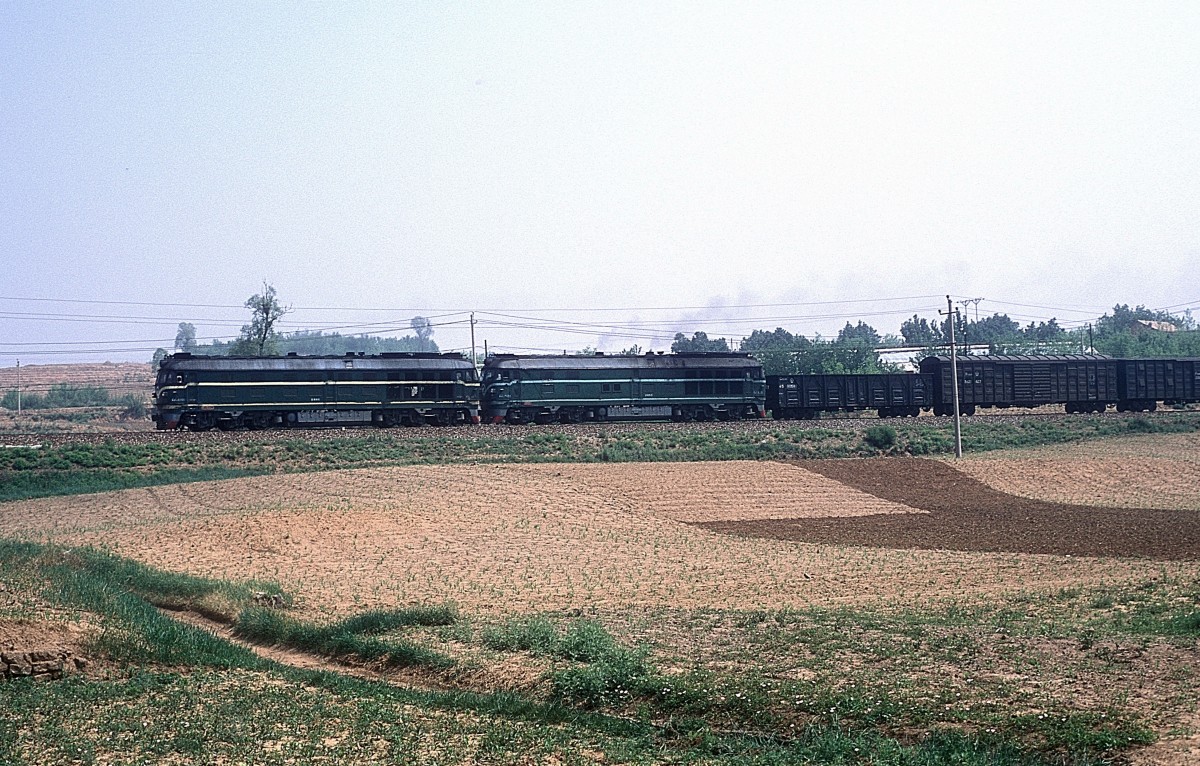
x: 95, y: 467
x: 352, y: 637
x: 172, y: 703
x: 25, y: 485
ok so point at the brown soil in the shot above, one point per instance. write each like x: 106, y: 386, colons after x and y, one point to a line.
x: 505, y: 539
x: 1153, y: 471
x: 967, y: 515
x: 729, y: 491
x: 24, y: 633
x: 118, y: 378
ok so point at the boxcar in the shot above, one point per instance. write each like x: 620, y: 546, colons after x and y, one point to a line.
x: 1142, y: 383
x: 1080, y: 382
x: 572, y: 389
x: 205, y: 392
x: 891, y: 395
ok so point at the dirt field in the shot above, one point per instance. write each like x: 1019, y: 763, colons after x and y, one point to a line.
x: 1152, y: 471
x: 502, y: 539
x: 967, y: 515
x: 118, y: 377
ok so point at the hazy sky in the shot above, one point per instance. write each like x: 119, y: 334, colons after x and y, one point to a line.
x: 649, y: 167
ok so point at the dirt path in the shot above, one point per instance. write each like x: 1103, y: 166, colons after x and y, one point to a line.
x: 965, y: 514
x: 304, y: 660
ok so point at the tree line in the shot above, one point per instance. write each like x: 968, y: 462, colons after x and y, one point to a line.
x: 261, y: 338
x: 855, y: 349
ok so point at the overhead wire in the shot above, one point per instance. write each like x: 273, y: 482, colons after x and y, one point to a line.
x: 652, y: 330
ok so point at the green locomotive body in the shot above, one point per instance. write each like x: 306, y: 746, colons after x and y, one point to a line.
x: 205, y: 392
x: 573, y: 389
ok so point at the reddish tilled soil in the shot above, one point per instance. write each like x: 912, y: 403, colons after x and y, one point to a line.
x: 967, y: 515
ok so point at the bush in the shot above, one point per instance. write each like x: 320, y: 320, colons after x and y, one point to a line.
x: 880, y: 437
x: 616, y: 679
x: 28, y: 401
x: 532, y: 634
x: 66, y: 395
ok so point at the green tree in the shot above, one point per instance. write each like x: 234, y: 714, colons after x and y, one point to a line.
x: 698, y: 343
x: 1044, y: 331
x: 259, y: 337
x: 861, y: 334
x: 1124, y: 318
x: 918, y: 331
x: 777, y: 351
x: 993, y: 329
x: 185, y: 338
x: 424, y: 330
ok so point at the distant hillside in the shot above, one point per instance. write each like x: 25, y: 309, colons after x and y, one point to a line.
x: 118, y: 377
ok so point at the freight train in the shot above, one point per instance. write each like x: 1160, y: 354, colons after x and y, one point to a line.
x: 201, y: 393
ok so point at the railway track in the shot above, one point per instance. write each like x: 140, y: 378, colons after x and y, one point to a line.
x: 317, y: 434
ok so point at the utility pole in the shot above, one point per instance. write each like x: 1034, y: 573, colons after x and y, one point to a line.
x: 975, y: 301
x: 964, y: 303
x: 951, y: 317
x: 18, y: 388
x: 474, y: 361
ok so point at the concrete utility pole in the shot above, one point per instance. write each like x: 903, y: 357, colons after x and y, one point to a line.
x: 951, y: 317
x: 18, y: 388
x: 474, y: 361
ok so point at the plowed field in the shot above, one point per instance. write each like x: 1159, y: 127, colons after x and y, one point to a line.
x: 1160, y: 471
x: 967, y: 515
x: 514, y: 538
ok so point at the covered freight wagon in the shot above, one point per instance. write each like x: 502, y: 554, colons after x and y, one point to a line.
x: 1142, y: 383
x: 1080, y: 382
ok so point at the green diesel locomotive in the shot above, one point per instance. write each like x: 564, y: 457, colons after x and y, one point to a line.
x: 574, y: 389
x: 228, y: 392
